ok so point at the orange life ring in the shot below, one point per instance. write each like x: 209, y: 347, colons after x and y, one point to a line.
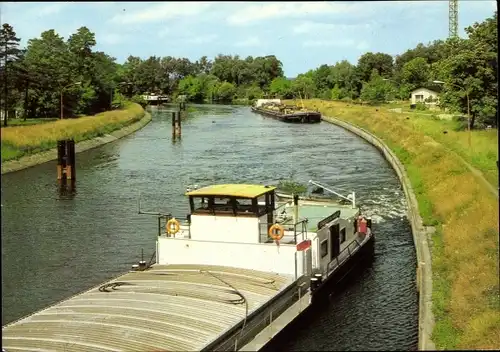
x: 276, y: 232
x: 173, y: 226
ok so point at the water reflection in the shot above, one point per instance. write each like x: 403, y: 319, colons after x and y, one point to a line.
x: 67, y: 189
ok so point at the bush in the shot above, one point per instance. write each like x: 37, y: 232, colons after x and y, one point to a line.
x: 292, y: 187
x: 138, y: 99
x: 254, y: 92
x: 118, y: 100
x: 461, y: 122
x: 420, y: 106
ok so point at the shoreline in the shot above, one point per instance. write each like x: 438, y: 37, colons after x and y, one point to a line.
x: 51, y: 154
x: 421, y: 234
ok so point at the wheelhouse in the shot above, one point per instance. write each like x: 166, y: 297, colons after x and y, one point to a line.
x: 233, y: 200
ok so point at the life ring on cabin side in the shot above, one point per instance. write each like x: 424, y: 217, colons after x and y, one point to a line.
x: 173, y: 226
x: 276, y: 232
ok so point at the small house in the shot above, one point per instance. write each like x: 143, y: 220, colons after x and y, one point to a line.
x: 424, y: 95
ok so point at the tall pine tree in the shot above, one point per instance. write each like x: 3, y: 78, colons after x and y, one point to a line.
x: 9, y: 53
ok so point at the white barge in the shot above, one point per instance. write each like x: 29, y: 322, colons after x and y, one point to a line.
x: 241, y: 261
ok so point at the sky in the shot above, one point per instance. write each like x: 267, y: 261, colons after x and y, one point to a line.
x: 302, y: 35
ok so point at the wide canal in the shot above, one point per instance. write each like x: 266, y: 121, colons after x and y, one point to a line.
x: 56, y: 244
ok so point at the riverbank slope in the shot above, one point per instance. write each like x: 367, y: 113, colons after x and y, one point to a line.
x: 27, y: 146
x: 452, y: 186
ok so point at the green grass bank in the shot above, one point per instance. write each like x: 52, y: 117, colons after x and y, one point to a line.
x: 25, y: 140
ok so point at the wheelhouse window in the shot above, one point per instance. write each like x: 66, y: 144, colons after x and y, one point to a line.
x: 237, y: 206
x: 323, y: 250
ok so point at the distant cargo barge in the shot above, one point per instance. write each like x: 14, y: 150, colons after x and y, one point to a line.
x: 273, y: 108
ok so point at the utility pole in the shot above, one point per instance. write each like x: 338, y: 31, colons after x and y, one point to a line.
x: 453, y: 19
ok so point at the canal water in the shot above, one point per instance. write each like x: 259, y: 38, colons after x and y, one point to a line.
x: 56, y: 244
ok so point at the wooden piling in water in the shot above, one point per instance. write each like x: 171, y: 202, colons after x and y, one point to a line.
x: 61, y: 162
x: 66, y: 156
x: 176, y: 124
x: 179, y: 126
x: 70, y: 168
x: 173, y: 124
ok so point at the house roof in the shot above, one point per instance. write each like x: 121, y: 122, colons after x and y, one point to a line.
x: 434, y: 90
x: 232, y: 190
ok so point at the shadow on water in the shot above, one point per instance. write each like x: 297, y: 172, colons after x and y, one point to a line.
x: 56, y: 244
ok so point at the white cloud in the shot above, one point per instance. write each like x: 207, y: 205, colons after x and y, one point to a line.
x: 202, y: 39
x: 255, y: 13
x: 309, y: 27
x: 363, y: 45
x: 186, y: 36
x: 250, y: 41
x: 49, y: 9
x: 160, y: 12
x: 331, y: 42
x: 181, y: 37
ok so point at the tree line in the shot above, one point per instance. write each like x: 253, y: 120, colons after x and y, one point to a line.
x: 468, y: 68
x: 35, y: 77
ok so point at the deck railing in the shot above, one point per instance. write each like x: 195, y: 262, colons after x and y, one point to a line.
x: 345, y: 254
x: 251, y: 325
x: 299, y: 232
x: 299, y: 228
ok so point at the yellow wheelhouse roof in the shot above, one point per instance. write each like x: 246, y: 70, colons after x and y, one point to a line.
x: 232, y: 190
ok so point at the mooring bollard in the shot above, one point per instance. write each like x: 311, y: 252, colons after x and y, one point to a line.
x: 66, y: 160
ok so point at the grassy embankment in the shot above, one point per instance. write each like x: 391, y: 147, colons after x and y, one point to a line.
x: 19, y: 141
x: 465, y: 213
x: 22, y: 122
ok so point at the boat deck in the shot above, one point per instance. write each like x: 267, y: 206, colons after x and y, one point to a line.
x: 317, y: 211
x: 167, y: 307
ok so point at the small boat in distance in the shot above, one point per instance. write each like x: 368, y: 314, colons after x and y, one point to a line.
x: 241, y: 266
x: 286, y: 113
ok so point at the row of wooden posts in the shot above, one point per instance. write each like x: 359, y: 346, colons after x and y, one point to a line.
x: 66, y: 155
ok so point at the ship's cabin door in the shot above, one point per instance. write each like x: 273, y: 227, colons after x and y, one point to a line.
x: 334, y: 240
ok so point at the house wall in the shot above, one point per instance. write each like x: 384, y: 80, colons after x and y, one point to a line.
x: 425, y: 93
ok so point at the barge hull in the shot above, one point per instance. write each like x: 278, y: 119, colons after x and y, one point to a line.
x: 271, y: 337
x: 334, y: 281
x: 299, y: 117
